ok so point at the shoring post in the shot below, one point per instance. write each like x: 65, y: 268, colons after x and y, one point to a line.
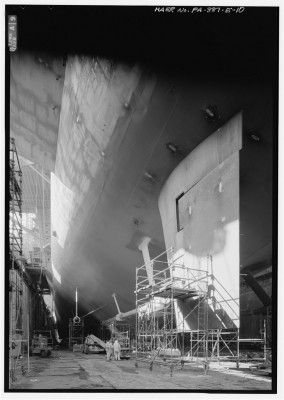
x: 153, y: 321
x: 206, y: 315
x: 238, y: 349
x: 264, y: 339
x: 70, y: 333
x: 183, y: 336
x: 183, y: 343
x: 172, y: 309
x: 136, y: 333
x: 218, y: 346
x: 28, y: 333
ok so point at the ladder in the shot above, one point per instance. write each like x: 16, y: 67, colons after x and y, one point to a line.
x: 202, y: 321
x: 202, y: 335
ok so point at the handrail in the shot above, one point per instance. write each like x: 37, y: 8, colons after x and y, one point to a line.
x: 226, y: 301
x: 151, y: 261
x: 214, y: 278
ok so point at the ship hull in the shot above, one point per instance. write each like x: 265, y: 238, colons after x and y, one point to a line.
x: 113, y: 160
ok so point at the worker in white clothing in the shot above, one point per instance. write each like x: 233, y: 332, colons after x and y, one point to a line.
x: 109, y: 347
x: 116, y: 348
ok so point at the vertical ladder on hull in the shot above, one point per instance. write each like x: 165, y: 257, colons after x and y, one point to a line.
x: 202, y: 326
x: 202, y: 322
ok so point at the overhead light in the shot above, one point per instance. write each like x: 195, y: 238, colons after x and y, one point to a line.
x: 149, y: 176
x: 44, y: 62
x: 211, y: 113
x: 255, y: 137
x: 172, y: 147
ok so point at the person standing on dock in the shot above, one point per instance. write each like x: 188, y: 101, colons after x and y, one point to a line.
x: 109, y: 348
x: 116, y: 348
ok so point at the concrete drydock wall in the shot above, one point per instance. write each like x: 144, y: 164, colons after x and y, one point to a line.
x: 35, y: 311
x: 199, y: 207
x: 36, y: 83
x: 29, y: 311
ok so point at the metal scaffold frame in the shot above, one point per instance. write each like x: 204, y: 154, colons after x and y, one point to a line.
x: 76, y: 333
x: 16, y: 260
x: 161, y: 328
x: 119, y: 330
x: 156, y: 322
x: 15, y: 205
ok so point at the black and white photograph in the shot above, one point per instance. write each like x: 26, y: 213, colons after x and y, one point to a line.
x: 141, y: 198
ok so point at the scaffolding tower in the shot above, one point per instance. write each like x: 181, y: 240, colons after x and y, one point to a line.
x: 15, y: 205
x: 76, y: 333
x: 15, y: 260
x: 172, y: 314
x: 158, y: 320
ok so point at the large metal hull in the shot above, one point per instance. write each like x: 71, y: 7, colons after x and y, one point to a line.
x: 110, y: 133
x: 112, y: 161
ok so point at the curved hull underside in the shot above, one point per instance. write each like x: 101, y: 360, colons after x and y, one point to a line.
x: 122, y: 131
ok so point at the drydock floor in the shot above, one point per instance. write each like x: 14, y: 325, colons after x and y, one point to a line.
x: 66, y: 370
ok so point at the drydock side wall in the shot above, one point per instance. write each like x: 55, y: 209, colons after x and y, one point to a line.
x: 39, y: 316
x: 199, y: 207
x: 36, y: 85
x: 31, y: 313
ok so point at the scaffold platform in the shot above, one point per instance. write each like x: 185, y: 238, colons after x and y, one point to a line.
x: 164, y: 333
